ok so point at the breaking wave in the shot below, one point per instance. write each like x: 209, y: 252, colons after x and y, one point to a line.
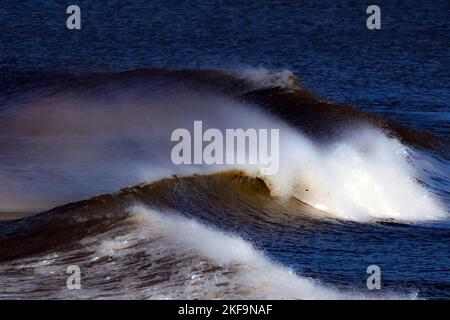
x: 79, y: 136
x: 107, y: 128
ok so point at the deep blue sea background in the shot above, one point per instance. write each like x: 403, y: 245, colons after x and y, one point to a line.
x: 401, y: 72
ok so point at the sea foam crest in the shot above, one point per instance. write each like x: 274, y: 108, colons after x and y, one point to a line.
x: 361, y: 177
x: 263, y: 278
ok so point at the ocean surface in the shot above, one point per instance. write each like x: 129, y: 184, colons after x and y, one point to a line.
x: 85, y: 123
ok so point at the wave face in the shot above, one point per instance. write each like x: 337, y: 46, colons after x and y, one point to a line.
x: 212, y: 231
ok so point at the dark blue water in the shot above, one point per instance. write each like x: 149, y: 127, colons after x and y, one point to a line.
x: 401, y: 72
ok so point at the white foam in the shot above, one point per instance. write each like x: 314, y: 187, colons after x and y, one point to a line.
x: 266, y: 279
x: 361, y: 177
x: 265, y: 78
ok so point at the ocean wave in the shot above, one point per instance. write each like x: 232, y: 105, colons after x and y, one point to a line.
x: 153, y: 254
x: 107, y: 129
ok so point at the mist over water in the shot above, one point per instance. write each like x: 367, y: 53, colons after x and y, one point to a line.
x: 113, y: 133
